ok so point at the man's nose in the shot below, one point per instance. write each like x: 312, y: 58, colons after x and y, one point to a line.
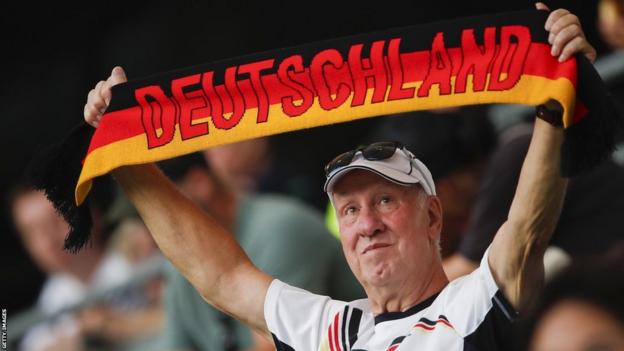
x: 370, y: 222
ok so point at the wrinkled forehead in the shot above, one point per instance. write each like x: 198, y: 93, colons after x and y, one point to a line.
x: 359, y: 181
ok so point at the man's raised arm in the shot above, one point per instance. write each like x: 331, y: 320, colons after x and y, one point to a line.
x: 517, y: 252
x: 201, y: 249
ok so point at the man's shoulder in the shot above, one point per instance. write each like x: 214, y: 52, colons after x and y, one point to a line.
x: 474, y: 299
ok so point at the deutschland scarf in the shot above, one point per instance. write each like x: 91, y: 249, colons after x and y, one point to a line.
x: 502, y: 58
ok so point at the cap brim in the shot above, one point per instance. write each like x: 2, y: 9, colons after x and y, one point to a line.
x: 385, y: 172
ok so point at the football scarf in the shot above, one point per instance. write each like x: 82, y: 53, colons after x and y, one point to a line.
x: 502, y: 58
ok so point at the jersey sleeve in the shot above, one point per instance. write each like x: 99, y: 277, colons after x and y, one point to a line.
x: 296, y: 318
x: 479, y: 311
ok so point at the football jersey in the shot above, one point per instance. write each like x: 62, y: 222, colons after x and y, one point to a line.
x: 470, y: 313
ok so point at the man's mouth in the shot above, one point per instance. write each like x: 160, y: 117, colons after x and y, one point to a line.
x: 373, y: 247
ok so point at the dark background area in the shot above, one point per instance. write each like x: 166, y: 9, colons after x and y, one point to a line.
x: 54, y: 53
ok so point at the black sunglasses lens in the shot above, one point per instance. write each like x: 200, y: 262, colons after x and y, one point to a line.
x: 373, y: 152
x: 339, y: 161
x: 380, y: 151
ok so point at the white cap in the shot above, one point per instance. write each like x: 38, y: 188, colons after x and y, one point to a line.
x: 402, y: 168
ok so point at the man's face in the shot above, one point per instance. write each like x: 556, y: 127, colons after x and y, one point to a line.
x: 42, y: 231
x: 573, y: 325
x: 389, y: 232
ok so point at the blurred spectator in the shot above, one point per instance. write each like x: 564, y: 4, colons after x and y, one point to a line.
x: 70, y: 276
x: 581, y: 309
x: 611, y: 22
x: 611, y: 26
x: 241, y: 164
x: 455, y: 144
x: 590, y: 221
x: 73, y: 277
x: 280, y: 236
x: 133, y: 317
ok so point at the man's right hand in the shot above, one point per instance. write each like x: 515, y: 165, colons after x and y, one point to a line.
x: 99, y: 97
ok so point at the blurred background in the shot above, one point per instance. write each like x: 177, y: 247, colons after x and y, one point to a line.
x: 55, y: 52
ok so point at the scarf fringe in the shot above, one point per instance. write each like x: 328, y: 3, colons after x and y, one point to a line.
x: 591, y: 140
x: 55, y: 171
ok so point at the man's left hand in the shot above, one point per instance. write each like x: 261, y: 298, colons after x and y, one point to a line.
x: 566, y: 35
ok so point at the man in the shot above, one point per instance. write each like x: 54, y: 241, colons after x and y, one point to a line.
x: 69, y: 277
x: 554, y: 324
x: 390, y: 222
x: 455, y: 144
x: 242, y: 164
x: 262, y: 224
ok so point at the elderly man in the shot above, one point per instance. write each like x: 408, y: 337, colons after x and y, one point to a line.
x: 390, y: 222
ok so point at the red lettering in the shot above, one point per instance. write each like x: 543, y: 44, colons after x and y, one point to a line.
x: 300, y: 91
x: 160, y: 113
x: 439, y: 68
x: 256, y: 82
x: 233, y: 100
x: 475, y: 59
x: 323, y: 59
x: 376, y: 71
x: 510, y: 58
x: 190, y: 102
x: 397, y: 92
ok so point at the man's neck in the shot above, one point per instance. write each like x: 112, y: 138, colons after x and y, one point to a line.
x: 399, y: 298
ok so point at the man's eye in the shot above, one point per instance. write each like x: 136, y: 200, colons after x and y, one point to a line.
x: 349, y: 210
x: 385, y: 200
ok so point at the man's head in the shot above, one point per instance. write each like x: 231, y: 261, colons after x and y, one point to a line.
x: 41, y: 229
x: 455, y: 145
x: 240, y: 164
x: 389, y: 217
x: 581, y: 308
x: 194, y: 178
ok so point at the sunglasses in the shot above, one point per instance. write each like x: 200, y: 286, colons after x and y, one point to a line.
x: 372, y: 152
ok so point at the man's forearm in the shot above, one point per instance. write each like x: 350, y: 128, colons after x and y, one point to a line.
x: 541, y: 189
x: 518, y: 248
x: 199, y: 247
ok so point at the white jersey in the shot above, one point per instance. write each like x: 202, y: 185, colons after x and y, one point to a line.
x: 470, y: 313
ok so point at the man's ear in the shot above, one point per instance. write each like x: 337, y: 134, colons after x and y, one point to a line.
x: 435, y: 213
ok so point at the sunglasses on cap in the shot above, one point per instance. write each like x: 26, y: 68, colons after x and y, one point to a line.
x: 372, y: 152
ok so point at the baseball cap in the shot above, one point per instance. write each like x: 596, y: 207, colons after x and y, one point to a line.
x: 389, y: 160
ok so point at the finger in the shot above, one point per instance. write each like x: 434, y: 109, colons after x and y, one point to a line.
x: 96, y: 98
x: 563, y: 22
x: 100, y: 105
x: 89, y: 99
x: 87, y: 114
x: 541, y: 6
x: 554, y: 16
x: 564, y: 37
x: 572, y: 47
x: 91, y: 115
x: 117, y: 76
x: 90, y: 96
x: 105, y: 92
x: 97, y: 89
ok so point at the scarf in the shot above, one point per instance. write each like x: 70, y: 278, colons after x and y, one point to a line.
x: 502, y: 58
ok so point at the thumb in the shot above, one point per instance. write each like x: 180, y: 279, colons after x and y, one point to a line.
x: 541, y: 6
x: 117, y: 76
